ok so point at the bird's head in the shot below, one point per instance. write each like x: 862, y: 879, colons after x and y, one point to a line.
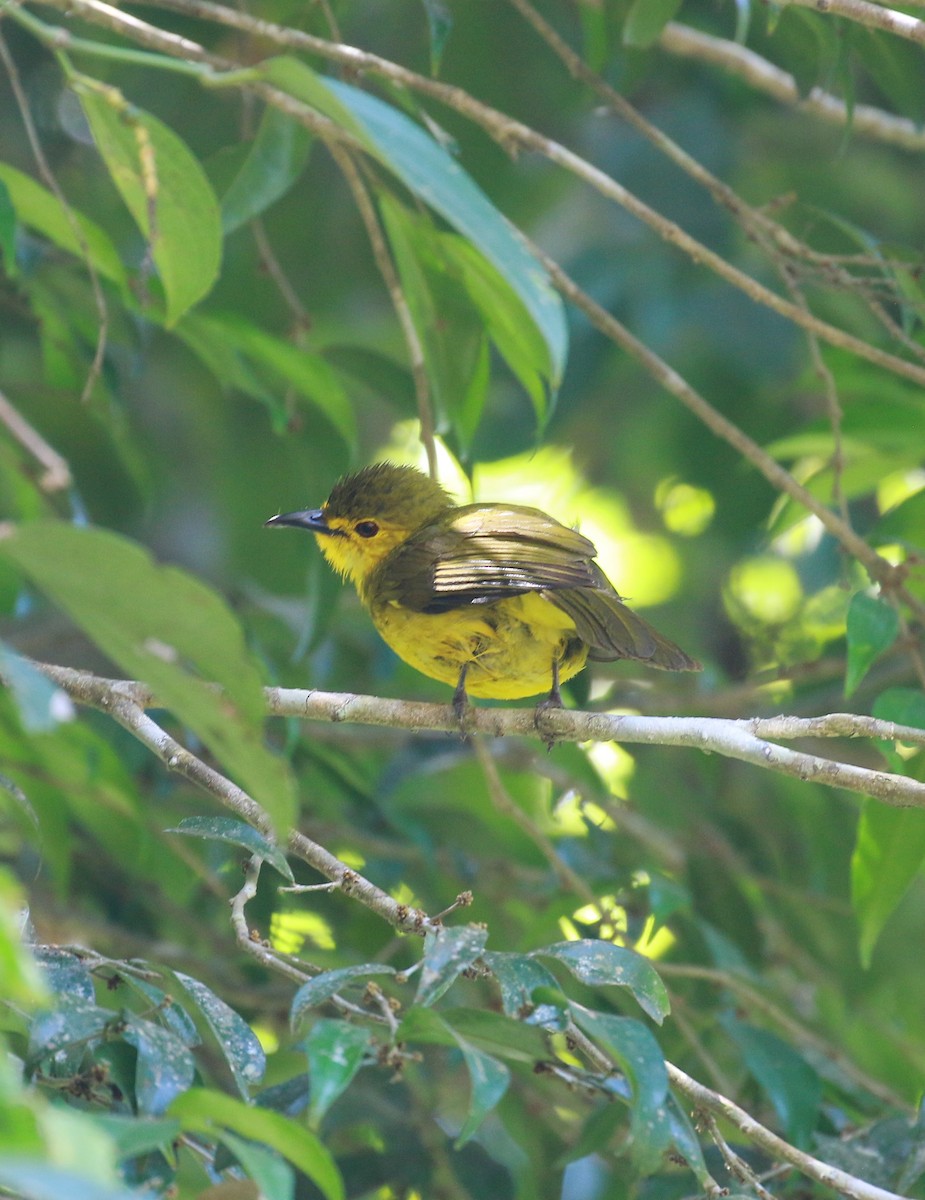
x: 368, y: 514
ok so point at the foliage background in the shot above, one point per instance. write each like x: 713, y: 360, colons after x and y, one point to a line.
x: 784, y: 917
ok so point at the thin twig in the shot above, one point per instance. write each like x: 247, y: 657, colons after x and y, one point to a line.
x: 57, y: 473
x: 383, y: 258
x: 504, y: 803
x: 51, y: 182
x: 872, y: 16
x: 878, y: 567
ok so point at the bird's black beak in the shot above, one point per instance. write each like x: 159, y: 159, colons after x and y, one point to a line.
x: 312, y: 519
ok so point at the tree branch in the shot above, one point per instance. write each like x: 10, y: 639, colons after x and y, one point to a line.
x: 764, y: 76
x: 124, y: 700
x: 509, y: 134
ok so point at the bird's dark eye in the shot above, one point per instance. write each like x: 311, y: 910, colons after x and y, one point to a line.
x: 366, y: 529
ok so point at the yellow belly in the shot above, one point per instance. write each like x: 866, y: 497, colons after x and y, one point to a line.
x: 509, y: 645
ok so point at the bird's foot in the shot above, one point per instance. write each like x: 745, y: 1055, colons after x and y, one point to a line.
x: 551, y: 702
x: 462, y: 707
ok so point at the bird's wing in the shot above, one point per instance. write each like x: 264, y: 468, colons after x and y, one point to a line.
x: 614, y: 631
x: 489, y: 552
x: 486, y: 552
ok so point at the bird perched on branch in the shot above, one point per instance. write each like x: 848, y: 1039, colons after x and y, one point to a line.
x: 500, y: 600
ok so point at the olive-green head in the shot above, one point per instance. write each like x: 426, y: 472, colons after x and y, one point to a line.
x: 368, y: 514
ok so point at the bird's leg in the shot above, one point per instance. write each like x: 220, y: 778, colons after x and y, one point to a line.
x: 553, y: 700
x: 461, y: 705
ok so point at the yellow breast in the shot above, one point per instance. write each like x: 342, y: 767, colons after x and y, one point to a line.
x: 509, y: 645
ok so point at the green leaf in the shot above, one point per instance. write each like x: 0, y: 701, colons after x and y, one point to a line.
x: 41, y: 210
x: 905, y: 523
x: 791, y: 1084
x: 498, y: 1035
x: 599, y: 963
x: 518, y: 976
x: 451, y: 334
x: 686, y: 1142
x: 489, y: 1079
x: 273, y: 1177
x: 872, y: 627
x: 323, y: 986
x: 186, y: 238
x: 233, y: 1036
x: 460, y: 1027
x: 888, y: 855
x: 7, y: 230
x: 428, y: 171
x: 336, y: 1050
x: 276, y: 158
x: 646, y: 19
x: 227, y: 829
x: 165, y: 627
x: 165, y: 1067
x: 208, y: 1112
x: 447, y: 953
x: 509, y: 326
x: 638, y: 1054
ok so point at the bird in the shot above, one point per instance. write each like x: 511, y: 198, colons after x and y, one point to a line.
x: 500, y: 601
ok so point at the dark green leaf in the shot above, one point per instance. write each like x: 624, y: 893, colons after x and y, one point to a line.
x: 638, y: 1054
x: 165, y: 627
x: 172, y: 1013
x: 72, y: 1021
x: 165, y: 1066
x: 241, y: 354
x: 791, y: 1084
x: 439, y: 24
x: 336, y: 1050
x: 518, y: 976
x: 873, y: 626
x: 888, y: 855
x: 226, y: 829
x: 447, y: 953
x: 646, y: 19
x: 599, y: 963
x: 489, y: 1078
x: 323, y: 986
x: 233, y: 1036
x: 208, y: 1112
x: 186, y: 237
x: 134, y: 1136
x: 275, y: 160
x: 498, y: 1035
x: 686, y: 1141
x: 65, y: 973
x: 7, y: 230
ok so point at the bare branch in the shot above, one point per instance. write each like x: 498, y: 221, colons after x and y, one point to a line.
x: 832, y: 1177
x: 57, y: 473
x: 873, y: 16
x: 124, y: 701
x: 764, y: 76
